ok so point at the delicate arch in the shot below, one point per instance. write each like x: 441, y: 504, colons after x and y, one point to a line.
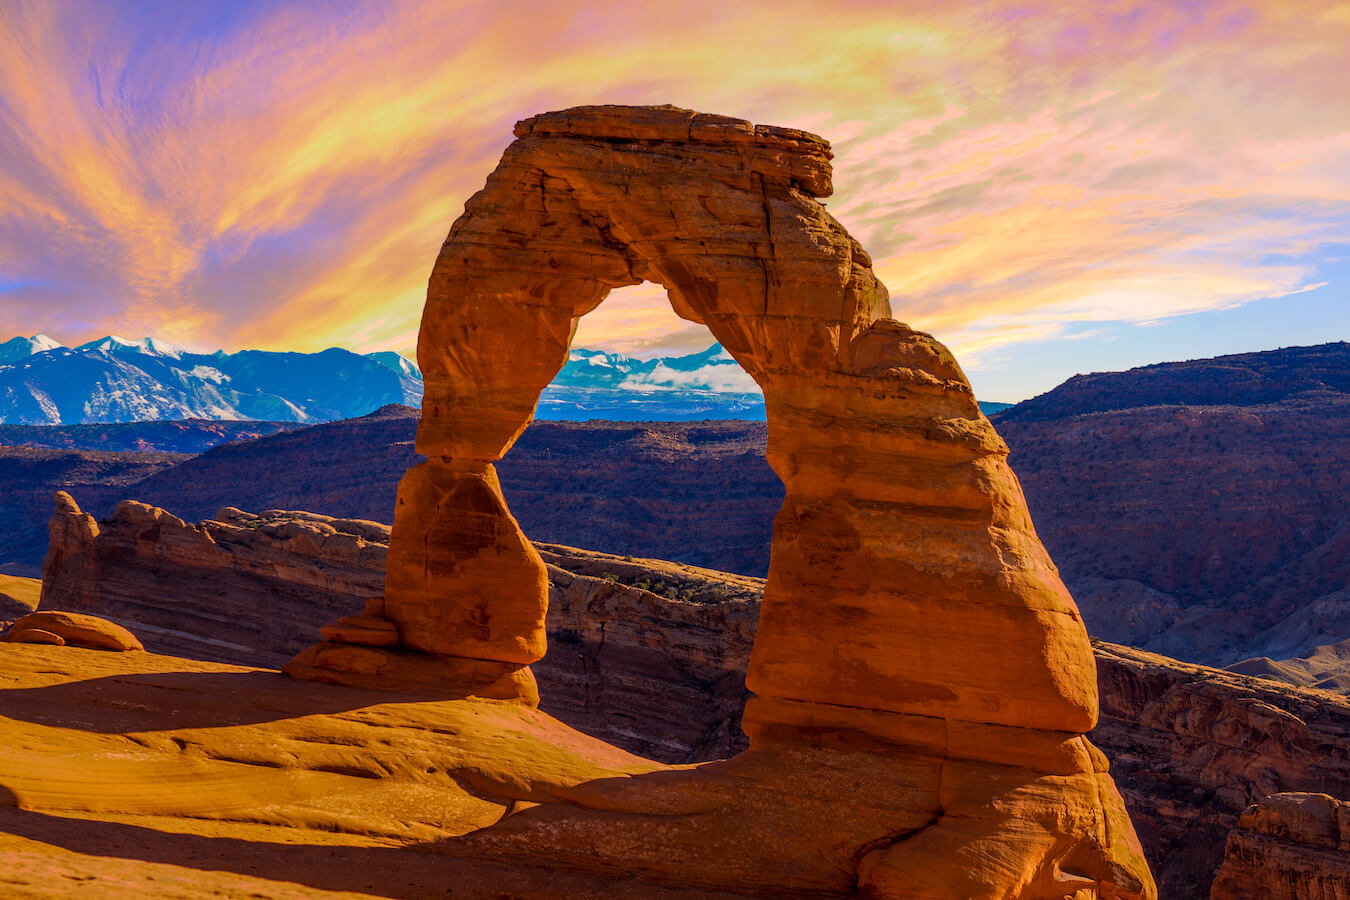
x: 910, y: 610
x: 889, y: 467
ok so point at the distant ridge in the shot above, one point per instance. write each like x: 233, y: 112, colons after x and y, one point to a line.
x: 1242, y: 379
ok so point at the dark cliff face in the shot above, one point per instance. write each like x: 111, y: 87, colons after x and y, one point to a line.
x: 1217, y: 489
x: 1192, y: 747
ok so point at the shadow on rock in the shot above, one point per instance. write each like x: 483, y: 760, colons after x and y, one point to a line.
x: 162, y: 701
x: 401, y: 872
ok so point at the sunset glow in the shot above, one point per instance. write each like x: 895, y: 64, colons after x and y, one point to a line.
x: 1028, y: 175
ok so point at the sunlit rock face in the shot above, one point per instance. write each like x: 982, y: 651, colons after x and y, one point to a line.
x: 914, y: 632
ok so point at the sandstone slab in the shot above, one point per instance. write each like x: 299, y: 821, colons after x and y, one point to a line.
x: 36, y: 636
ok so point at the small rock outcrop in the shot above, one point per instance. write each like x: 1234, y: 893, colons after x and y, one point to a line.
x: 909, y: 603
x: 73, y: 629
x: 1294, y: 846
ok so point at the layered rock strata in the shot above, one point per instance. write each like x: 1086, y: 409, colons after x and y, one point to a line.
x: 909, y: 603
x: 1293, y: 845
x: 240, y: 587
x: 1193, y: 747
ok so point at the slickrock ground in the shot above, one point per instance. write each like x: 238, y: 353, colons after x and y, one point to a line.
x: 136, y: 775
x: 651, y: 656
x: 129, y: 775
x: 1290, y: 845
x: 18, y: 596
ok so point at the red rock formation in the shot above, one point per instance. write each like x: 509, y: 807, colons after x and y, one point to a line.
x: 1292, y: 846
x: 77, y: 629
x: 908, y: 601
x: 238, y: 587
x: 36, y: 636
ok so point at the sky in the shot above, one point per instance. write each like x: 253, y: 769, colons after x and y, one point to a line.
x: 1049, y: 188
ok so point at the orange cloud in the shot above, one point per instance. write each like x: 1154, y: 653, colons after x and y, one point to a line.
x: 285, y: 179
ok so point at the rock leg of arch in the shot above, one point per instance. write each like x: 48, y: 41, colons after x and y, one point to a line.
x: 914, y: 636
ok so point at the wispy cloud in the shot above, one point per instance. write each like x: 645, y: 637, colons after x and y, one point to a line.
x: 254, y: 175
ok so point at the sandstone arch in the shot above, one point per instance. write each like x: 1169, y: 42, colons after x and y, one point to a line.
x: 909, y: 605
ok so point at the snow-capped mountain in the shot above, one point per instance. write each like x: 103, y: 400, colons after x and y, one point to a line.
x: 114, y: 379
x: 598, y: 385
x: 396, y: 361
x: 118, y: 380
x: 24, y: 347
x: 119, y: 345
x: 711, y: 370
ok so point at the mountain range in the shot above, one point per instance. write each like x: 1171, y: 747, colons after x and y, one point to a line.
x: 118, y: 380
x: 114, y: 379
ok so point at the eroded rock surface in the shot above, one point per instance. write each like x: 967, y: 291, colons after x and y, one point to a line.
x: 1292, y: 845
x: 909, y: 603
x: 239, y: 587
x: 1192, y: 747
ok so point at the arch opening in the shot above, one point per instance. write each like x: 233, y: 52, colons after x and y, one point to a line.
x: 643, y: 485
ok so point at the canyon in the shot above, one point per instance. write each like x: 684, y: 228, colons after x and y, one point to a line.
x: 650, y: 656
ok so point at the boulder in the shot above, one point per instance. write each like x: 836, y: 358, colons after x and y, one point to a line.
x: 77, y: 630
x: 1294, y: 845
